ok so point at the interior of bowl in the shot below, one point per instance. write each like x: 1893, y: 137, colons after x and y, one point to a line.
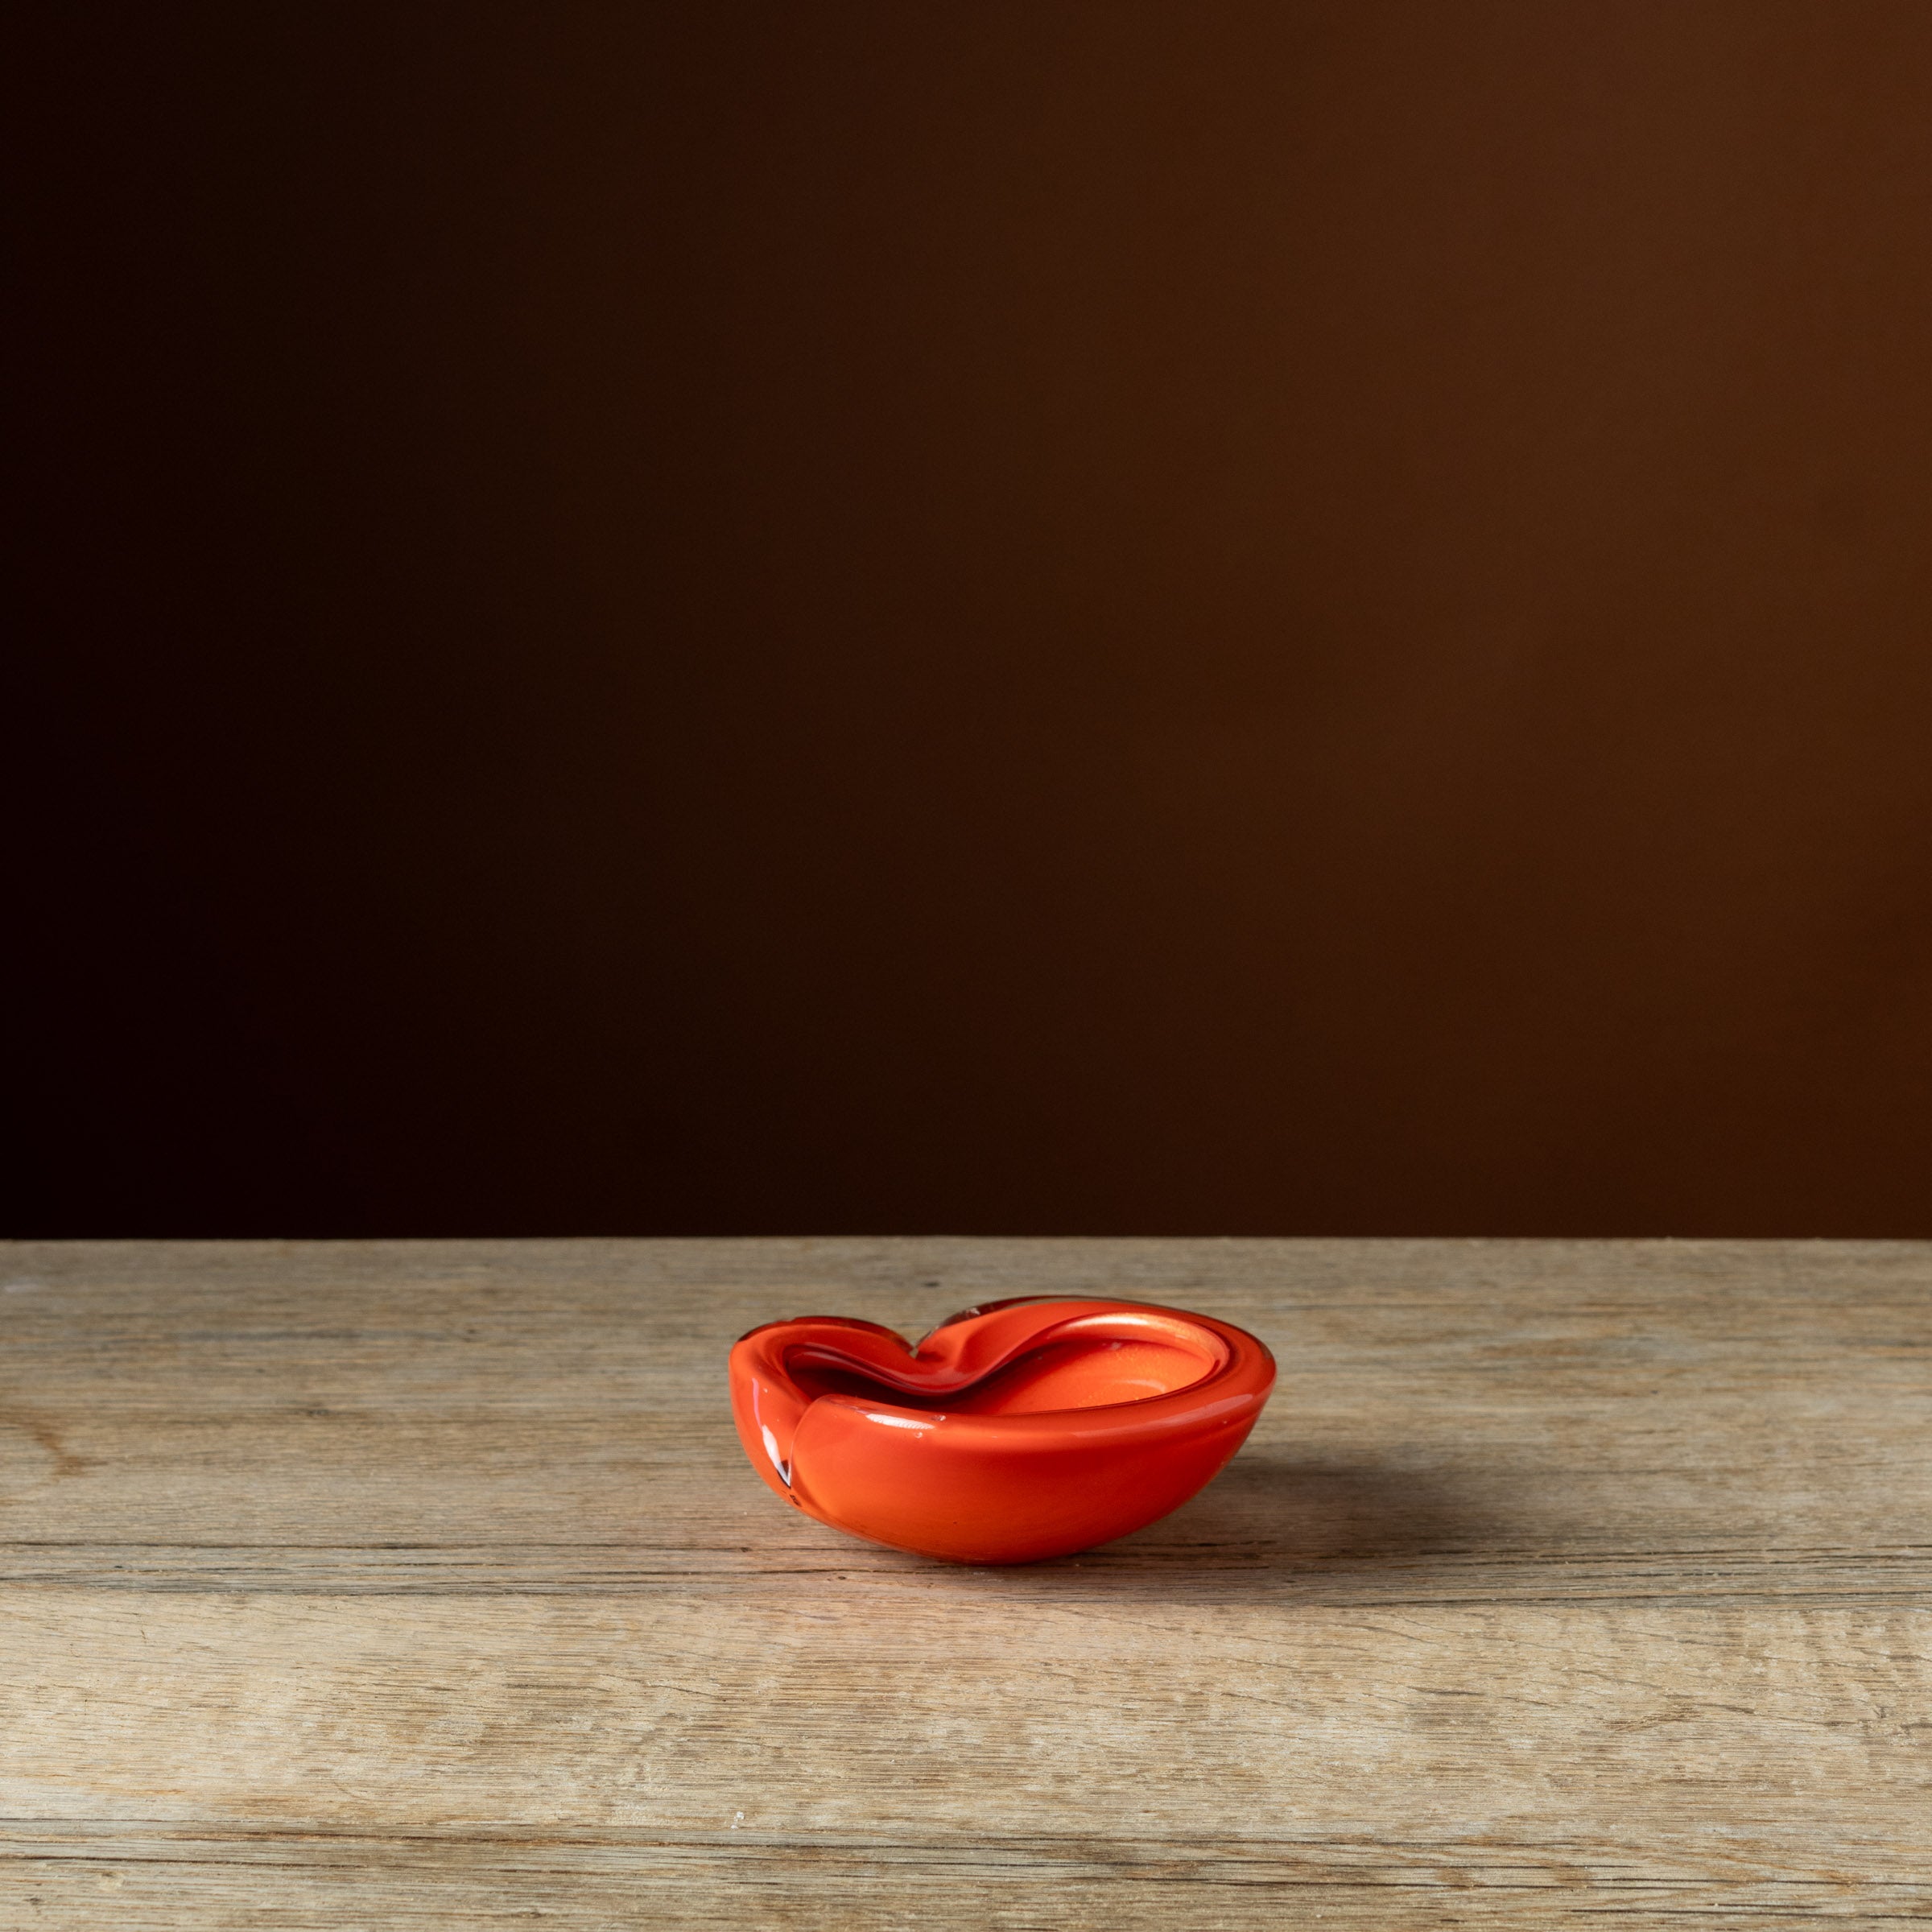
x: 1077, y: 1372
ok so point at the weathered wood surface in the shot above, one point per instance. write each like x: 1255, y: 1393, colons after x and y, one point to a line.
x: 424, y: 1585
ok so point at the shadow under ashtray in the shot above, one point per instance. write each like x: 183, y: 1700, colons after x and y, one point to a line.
x: 1265, y: 1511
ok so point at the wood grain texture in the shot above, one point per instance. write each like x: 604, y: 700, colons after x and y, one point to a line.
x: 425, y: 1584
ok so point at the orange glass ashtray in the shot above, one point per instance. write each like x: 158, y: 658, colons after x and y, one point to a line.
x: 1024, y: 1429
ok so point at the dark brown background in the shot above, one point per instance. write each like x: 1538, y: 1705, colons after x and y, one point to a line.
x: 1182, y: 617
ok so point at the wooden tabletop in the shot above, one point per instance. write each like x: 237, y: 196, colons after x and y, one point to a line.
x: 426, y: 1584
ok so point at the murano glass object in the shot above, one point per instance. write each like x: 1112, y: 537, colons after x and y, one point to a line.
x: 1020, y: 1430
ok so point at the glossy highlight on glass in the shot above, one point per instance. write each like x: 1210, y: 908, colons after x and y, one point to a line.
x: 1025, y: 1429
